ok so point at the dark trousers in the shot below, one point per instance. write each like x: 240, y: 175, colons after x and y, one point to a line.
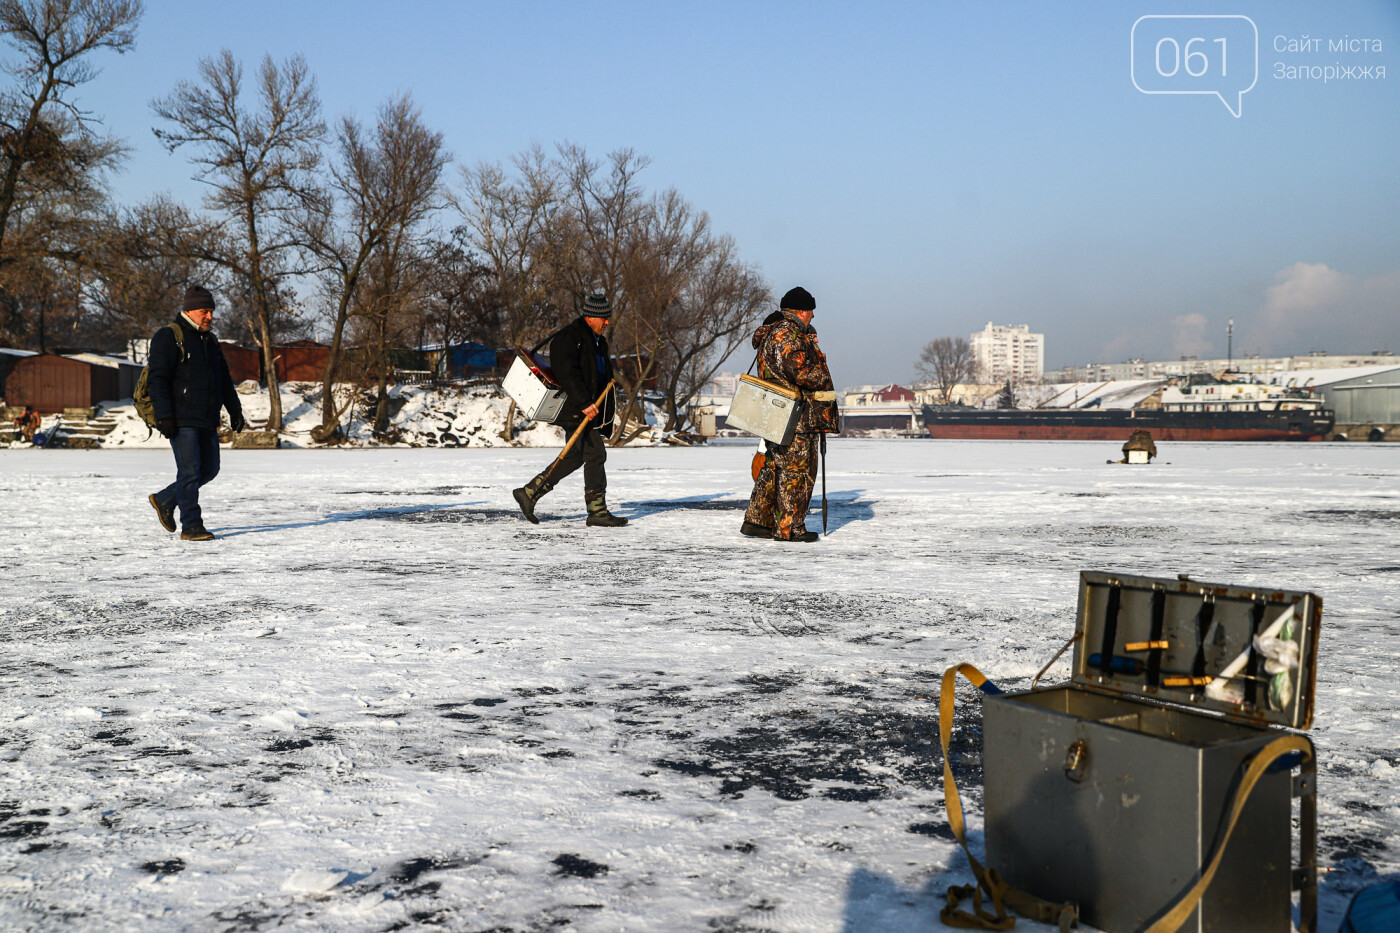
x: 196, y: 463
x: 590, y: 453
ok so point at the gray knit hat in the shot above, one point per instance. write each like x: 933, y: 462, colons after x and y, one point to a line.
x: 597, y: 306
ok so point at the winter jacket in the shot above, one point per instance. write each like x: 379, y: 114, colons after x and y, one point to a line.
x: 582, y: 365
x: 190, y: 385
x: 788, y: 355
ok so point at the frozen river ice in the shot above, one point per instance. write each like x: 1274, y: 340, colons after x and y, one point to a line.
x: 382, y: 700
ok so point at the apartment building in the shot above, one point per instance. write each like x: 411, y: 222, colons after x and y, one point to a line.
x: 1008, y: 353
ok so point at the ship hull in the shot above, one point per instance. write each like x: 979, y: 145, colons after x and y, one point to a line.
x: 1116, y: 425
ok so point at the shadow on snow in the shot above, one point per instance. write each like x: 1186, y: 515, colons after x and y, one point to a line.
x: 335, y: 517
x: 843, y: 507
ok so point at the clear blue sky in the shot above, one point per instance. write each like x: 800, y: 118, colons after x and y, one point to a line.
x: 922, y: 168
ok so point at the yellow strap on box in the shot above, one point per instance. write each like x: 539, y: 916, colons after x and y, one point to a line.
x: 1174, y: 916
x: 1066, y: 915
x: 1002, y: 895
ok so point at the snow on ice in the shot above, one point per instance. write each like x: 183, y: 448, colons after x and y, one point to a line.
x: 381, y: 700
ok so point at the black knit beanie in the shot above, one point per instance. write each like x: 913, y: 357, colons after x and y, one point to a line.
x: 198, y: 298
x: 597, y: 306
x: 798, y: 299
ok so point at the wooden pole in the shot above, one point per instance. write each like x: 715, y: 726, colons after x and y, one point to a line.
x: 578, y: 431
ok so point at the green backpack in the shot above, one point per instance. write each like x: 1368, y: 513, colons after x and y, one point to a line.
x: 142, y: 395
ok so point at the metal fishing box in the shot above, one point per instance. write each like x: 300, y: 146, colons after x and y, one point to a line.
x: 1112, y: 792
x: 765, y: 409
x: 536, y: 393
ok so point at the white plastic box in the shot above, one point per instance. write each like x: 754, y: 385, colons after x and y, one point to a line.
x: 536, y: 395
x: 765, y: 409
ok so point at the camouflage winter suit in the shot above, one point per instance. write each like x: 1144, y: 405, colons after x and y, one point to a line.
x: 788, y: 355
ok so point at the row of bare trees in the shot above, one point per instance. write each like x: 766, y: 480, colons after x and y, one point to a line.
x: 353, y: 230
x: 558, y: 226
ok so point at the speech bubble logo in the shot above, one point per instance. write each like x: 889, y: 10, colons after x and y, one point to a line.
x: 1206, y: 54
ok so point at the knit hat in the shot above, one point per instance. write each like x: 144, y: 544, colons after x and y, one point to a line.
x: 198, y: 298
x: 798, y: 299
x: 597, y: 306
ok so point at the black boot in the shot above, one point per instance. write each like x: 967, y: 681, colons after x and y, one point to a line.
x: 164, y: 514
x: 801, y: 537
x: 526, y: 497
x: 598, y: 514
x: 754, y: 530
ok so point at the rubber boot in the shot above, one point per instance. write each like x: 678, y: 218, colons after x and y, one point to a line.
x: 526, y: 497
x: 754, y: 530
x: 598, y: 514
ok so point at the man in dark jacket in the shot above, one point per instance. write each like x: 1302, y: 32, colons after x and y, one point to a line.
x: 788, y: 355
x: 582, y: 366
x: 189, y: 382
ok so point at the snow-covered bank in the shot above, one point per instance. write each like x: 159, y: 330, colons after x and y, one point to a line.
x: 419, y: 416
x: 382, y: 699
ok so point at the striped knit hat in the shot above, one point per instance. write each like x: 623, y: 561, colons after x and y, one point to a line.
x: 597, y: 306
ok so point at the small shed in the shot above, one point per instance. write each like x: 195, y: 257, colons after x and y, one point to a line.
x: 243, y: 362
x: 52, y: 383
x: 301, y: 361
x: 460, y: 360
x: 127, y: 371
x: 298, y: 361
x: 8, y: 358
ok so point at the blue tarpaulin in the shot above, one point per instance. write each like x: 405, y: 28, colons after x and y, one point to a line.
x: 462, y: 357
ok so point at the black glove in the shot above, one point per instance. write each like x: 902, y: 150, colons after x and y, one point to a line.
x: 168, y: 426
x: 236, y: 422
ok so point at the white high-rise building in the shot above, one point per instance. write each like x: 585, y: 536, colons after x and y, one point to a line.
x: 1008, y: 353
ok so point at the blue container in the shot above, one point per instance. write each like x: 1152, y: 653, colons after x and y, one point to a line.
x: 1374, y: 910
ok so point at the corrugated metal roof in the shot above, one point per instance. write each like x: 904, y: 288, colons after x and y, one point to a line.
x: 1116, y: 393
x: 1305, y: 378
x: 97, y: 359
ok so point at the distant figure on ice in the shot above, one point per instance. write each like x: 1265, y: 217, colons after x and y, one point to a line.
x: 789, y: 356
x: 582, y: 366
x: 189, y: 382
x: 28, y: 423
x: 1140, y: 440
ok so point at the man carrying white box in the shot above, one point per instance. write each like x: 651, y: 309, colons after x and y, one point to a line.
x: 582, y: 366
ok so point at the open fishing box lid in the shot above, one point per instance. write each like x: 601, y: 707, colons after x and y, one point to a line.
x: 1206, y: 628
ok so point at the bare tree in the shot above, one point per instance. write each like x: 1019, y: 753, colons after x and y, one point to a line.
x: 566, y: 226
x: 713, y: 317
x: 947, y: 361
x: 458, y: 295
x: 259, y: 164
x: 387, y: 184
x: 638, y: 250
x: 41, y: 306
x: 522, y: 229
x: 141, y: 269
x: 53, y: 159
x: 384, y: 313
x: 49, y: 147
